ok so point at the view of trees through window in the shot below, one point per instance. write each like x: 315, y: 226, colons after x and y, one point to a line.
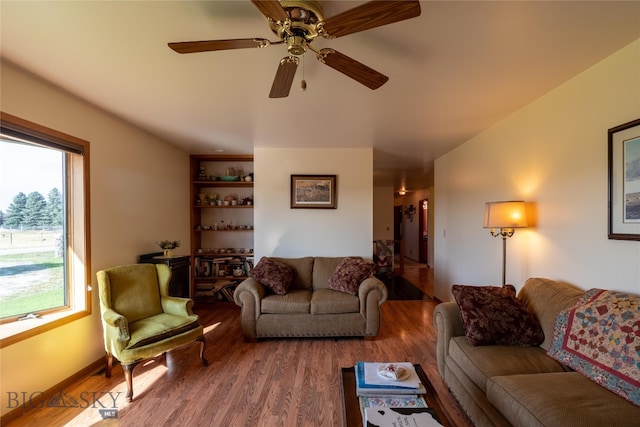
x: 32, y: 223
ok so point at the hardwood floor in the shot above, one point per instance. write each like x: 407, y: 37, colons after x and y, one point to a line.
x: 418, y: 274
x: 279, y: 382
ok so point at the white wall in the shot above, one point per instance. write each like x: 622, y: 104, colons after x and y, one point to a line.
x: 383, y: 212
x: 553, y: 154
x: 285, y: 232
x: 139, y: 195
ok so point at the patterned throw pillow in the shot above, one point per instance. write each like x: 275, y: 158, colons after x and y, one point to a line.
x: 600, y: 338
x: 493, y: 315
x: 349, y: 274
x: 273, y: 274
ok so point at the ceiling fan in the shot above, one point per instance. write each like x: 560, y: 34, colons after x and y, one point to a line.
x: 298, y: 22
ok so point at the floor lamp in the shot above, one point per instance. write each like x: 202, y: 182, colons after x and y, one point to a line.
x: 502, y: 218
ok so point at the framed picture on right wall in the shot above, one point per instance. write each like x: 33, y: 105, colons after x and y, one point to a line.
x: 624, y: 181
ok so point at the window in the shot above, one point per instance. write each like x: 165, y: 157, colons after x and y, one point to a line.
x: 44, y: 229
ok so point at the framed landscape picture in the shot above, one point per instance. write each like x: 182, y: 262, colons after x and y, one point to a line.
x: 313, y: 192
x: 624, y: 181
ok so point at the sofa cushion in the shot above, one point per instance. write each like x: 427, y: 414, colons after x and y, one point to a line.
x: 159, y: 327
x: 600, y: 337
x: 493, y: 315
x: 302, y: 271
x: 349, y: 274
x: 565, y: 399
x: 273, y: 274
x: 327, y: 301
x: 323, y: 268
x: 483, y: 362
x: 546, y: 298
x: 295, y: 301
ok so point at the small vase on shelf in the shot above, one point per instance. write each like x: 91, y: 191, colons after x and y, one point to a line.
x: 168, y: 253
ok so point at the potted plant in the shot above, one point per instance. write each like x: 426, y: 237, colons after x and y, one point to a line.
x: 168, y: 246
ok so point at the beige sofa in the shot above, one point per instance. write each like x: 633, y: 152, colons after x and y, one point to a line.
x: 500, y: 385
x: 309, y: 308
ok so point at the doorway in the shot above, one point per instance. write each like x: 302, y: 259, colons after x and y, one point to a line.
x: 423, y: 231
x: 397, y: 228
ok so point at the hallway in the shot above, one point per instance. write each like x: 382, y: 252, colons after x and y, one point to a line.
x: 420, y: 275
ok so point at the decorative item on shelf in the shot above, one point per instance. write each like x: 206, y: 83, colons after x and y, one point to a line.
x: 168, y: 246
x: 211, y: 199
x: 247, y: 201
x: 202, y: 174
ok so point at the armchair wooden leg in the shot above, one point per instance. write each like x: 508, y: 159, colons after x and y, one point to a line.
x: 109, y: 360
x: 202, y: 343
x: 128, y: 376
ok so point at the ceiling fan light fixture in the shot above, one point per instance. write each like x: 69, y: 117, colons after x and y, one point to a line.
x: 296, y: 45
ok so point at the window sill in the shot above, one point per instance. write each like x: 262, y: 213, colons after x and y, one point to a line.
x: 11, y: 333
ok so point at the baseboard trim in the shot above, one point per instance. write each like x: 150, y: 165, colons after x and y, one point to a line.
x: 12, y: 415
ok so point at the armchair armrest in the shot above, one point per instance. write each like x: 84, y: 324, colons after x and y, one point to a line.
x: 177, y: 306
x: 117, y: 324
x: 448, y: 323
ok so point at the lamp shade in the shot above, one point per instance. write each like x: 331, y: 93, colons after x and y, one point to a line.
x: 510, y: 214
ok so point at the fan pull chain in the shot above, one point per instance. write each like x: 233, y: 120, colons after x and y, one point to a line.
x: 303, y: 83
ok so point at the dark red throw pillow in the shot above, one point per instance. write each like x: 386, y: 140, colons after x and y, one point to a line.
x: 273, y: 274
x: 493, y: 315
x: 349, y: 274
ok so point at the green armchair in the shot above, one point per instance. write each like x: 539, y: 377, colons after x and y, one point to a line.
x: 140, y: 319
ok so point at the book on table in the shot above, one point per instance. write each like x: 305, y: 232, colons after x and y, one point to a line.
x: 394, y: 417
x: 370, y: 383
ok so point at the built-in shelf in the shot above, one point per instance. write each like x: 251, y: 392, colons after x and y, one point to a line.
x: 212, y: 267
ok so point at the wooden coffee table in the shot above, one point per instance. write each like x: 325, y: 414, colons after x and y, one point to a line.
x: 351, y: 415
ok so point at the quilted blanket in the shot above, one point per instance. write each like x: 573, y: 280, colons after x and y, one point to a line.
x: 600, y: 337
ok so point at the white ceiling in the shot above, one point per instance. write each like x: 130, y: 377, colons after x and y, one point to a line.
x: 457, y: 69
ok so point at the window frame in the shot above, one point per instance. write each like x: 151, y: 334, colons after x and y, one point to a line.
x: 78, y: 236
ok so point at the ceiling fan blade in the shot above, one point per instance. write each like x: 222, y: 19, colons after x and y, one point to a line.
x: 210, y: 45
x: 284, y: 77
x: 272, y: 9
x: 352, y: 68
x: 370, y: 15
